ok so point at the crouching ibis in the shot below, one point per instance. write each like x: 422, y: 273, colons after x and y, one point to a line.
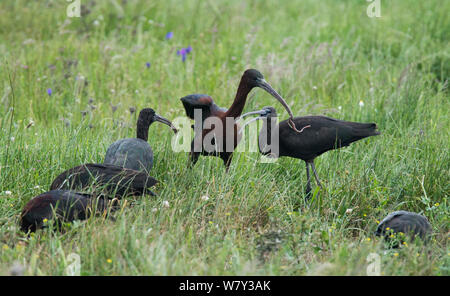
x: 108, y: 178
x: 62, y: 206
x: 409, y: 223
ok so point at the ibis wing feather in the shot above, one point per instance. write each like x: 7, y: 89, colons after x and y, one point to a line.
x: 320, y: 134
x: 112, y: 178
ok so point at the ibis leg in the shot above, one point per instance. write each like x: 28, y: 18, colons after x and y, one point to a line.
x: 193, y: 156
x: 227, y: 160
x: 315, y: 174
x: 308, y: 184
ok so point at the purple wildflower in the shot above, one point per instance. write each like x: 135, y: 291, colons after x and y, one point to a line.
x: 169, y: 35
x: 148, y: 64
x: 183, y: 52
x: 49, y: 91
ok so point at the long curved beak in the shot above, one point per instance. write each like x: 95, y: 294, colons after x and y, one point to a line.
x: 266, y: 86
x: 250, y: 121
x: 259, y: 112
x: 165, y: 121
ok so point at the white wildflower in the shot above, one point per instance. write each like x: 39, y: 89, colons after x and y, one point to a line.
x: 166, y: 204
x: 204, y: 198
x: 361, y: 103
x: 349, y: 211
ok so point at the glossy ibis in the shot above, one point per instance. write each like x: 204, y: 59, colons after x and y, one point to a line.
x: 409, y: 223
x: 106, y: 177
x: 66, y: 205
x: 318, y: 134
x: 136, y: 153
x: 207, y: 108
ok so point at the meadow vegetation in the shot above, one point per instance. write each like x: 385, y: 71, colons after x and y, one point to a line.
x: 69, y: 88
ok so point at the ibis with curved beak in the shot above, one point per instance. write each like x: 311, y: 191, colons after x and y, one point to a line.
x: 317, y: 135
x: 136, y: 153
x: 222, y: 136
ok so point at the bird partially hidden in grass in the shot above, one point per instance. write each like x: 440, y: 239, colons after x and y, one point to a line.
x: 136, y: 153
x: 316, y: 135
x: 402, y: 222
x: 105, y: 178
x: 62, y: 206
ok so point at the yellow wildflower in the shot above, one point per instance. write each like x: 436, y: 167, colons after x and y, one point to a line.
x: 109, y: 260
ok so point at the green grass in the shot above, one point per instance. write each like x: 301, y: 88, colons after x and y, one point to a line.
x: 318, y: 54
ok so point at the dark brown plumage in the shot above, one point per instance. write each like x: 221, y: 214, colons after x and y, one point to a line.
x: 204, y: 103
x: 66, y: 205
x: 319, y: 134
x: 105, y: 178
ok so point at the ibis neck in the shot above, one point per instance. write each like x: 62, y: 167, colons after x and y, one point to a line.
x: 142, y: 129
x: 239, y: 101
x: 268, y: 138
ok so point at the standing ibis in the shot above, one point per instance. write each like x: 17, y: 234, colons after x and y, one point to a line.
x: 66, y: 205
x: 220, y: 135
x: 409, y: 223
x: 136, y: 153
x: 106, y: 177
x: 318, y: 134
